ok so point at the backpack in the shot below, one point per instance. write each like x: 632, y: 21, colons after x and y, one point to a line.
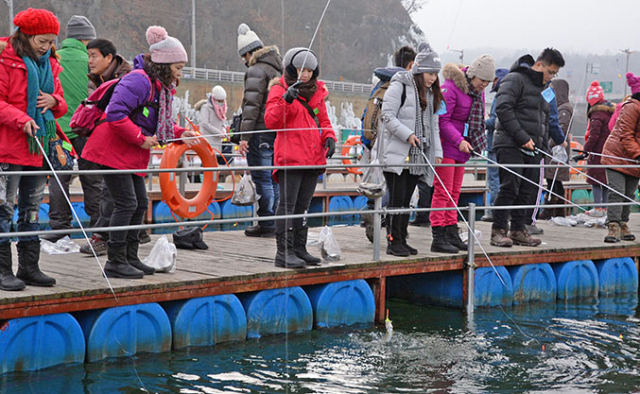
x: 234, y: 129
x: 90, y: 112
x: 372, y: 111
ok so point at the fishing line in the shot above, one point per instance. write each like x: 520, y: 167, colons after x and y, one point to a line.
x: 304, y: 62
x: 609, y: 156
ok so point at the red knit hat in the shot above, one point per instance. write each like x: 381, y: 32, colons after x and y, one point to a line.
x: 595, y: 94
x: 35, y: 21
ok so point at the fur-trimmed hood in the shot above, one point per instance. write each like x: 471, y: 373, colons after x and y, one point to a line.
x: 270, y: 55
x: 453, y: 72
x: 606, y: 107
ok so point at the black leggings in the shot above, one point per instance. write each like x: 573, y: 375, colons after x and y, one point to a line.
x: 296, y: 190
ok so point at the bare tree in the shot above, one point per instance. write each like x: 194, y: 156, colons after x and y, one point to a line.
x: 413, y: 5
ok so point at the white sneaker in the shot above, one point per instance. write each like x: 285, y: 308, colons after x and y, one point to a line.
x: 596, y: 213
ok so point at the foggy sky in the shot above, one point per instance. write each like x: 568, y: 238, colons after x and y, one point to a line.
x: 584, y: 26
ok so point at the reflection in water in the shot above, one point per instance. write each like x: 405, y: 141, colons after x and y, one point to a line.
x: 591, y: 347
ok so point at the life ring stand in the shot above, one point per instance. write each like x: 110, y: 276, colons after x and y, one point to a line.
x: 351, y: 142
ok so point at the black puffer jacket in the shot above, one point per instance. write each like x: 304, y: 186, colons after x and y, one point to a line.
x: 523, y: 113
x: 265, y: 65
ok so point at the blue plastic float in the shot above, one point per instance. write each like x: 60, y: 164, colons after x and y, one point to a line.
x: 125, y: 331
x: 37, y: 342
x: 230, y: 211
x: 533, y: 282
x: 277, y: 311
x: 576, y: 279
x: 342, y: 303
x: 206, y: 321
x: 617, y: 276
x: 340, y: 204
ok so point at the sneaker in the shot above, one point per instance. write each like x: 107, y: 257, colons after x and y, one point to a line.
x: 99, y: 245
x: 262, y: 232
x: 532, y: 229
x: 522, y: 238
x: 144, y: 237
x: 499, y: 238
x: 597, y: 212
x: 614, y: 233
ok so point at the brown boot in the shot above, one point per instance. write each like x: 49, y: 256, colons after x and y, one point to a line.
x: 499, y: 238
x: 522, y: 238
x: 614, y: 233
x: 625, y: 233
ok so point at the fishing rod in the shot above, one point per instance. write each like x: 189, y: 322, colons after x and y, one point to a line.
x: 607, y: 156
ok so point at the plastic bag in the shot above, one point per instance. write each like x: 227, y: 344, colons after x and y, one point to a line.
x: 565, y: 222
x: 373, y: 184
x: 62, y: 246
x: 163, y: 256
x: 464, y: 236
x: 560, y: 153
x: 245, y: 193
x: 329, y: 248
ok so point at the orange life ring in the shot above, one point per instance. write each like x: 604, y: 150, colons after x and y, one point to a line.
x: 352, y: 142
x: 575, y: 145
x: 181, y: 206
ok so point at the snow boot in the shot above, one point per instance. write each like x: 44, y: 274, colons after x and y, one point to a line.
x: 8, y: 281
x: 134, y: 260
x: 440, y: 241
x: 285, y: 255
x: 453, y: 236
x: 300, y: 246
x: 117, y: 265
x: 28, y: 269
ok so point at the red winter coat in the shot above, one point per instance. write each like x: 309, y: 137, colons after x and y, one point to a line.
x: 303, y: 146
x: 599, y: 116
x: 624, y: 140
x: 14, y: 148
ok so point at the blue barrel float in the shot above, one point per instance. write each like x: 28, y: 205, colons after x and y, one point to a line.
x: 359, y: 204
x: 162, y: 214
x: 214, y: 207
x: 617, y: 276
x: 317, y: 206
x: 533, y: 282
x: 37, y: 342
x: 342, y: 303
x: 277, y: 311
x: 445, y: 288
x: 576, y: 279
x: 230, y: 211
x: 340, y: 204
x: 125, y: 330
x: 206, y: 321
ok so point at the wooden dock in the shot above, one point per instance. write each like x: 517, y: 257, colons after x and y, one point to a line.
x: 235, y: 263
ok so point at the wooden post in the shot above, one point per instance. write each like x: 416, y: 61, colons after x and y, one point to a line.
x: 379, y: 287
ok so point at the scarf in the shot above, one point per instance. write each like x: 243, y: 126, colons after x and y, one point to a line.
x: 40, y: 78
x: 221, y: 110
x: 477, y: 137
x: 416, y: 155
x: 165, y: 122
x: 307, y: 89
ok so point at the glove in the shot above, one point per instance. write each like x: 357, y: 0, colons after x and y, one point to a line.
x: 292, y: 93
x: 330, y: 145
x: 579, y: 157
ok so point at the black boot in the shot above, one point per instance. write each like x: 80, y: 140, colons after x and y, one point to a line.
x: 440, y: 241
x: 397, y: 249
x: 285, y: 256
x: 134, y: 260
x: 453, y: 236
x: 300, y: 246
x: 117, y: 265
x: 28, y: 270
x: 405, y: 235
x: 8, y: 281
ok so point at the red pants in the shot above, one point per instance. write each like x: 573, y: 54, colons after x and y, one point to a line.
x: 452, y: 182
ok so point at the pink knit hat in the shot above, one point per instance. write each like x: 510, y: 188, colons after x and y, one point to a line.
x: 633, y: 82
x: 595, y: 94
x: 164, y: 48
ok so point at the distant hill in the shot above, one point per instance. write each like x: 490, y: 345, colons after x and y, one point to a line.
x: 355, y: 37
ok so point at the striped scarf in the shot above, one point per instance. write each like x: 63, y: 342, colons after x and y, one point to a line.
x: 40, y: 78
x: 165, y: 131
x: 477, y: 137
x: 415, y: 153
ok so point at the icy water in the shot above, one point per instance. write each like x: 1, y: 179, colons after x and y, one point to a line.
x: 549, y: 348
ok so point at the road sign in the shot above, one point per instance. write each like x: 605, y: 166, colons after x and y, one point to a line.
x: 607, y: 86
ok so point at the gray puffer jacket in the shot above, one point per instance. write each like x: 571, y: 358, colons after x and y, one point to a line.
x: 265, y: 65
x: 523, y: 113
x: 400, y: 123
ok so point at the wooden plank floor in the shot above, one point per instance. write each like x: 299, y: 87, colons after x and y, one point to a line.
x: 235, y: 263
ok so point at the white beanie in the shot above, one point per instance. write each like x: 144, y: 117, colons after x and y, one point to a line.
x: 247, y: 40
x: 164, y: 48
x: 218, y: 93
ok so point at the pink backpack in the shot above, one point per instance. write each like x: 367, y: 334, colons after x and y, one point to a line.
x: 90, y: 112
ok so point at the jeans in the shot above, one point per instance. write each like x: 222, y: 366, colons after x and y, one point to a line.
x: 452, y: 183
x: 30, y: 190
x: 296, y: 190
x: 493, y: 180
x: 514, y: 190
x: 60, y: 215
x: 425, y: 194
x: 401, y: 189
x: 600, y: 194
x: 266, y: 186
x: 106, y: 209
x: 623, y: 184
x: 130, y: 200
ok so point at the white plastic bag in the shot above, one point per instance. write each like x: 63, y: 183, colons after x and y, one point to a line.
x: 245, y: 193
x: 62, y: 246
x: 163, y: 256
x: 560, y: 154
x: 329, y: 248
x: 564, y: 222
x: 464, y: 236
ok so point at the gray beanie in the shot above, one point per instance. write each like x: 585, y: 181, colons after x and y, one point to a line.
x: 483, y: 67
x: 80, y: 28
x: 247, y: 40
x: 426, y: 61
x: 300, y: 58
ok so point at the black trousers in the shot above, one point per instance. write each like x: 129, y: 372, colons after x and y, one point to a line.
x: 296, y: 190
x: 514, y: 190
x: 130, y: 203
x: 401, y: 189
